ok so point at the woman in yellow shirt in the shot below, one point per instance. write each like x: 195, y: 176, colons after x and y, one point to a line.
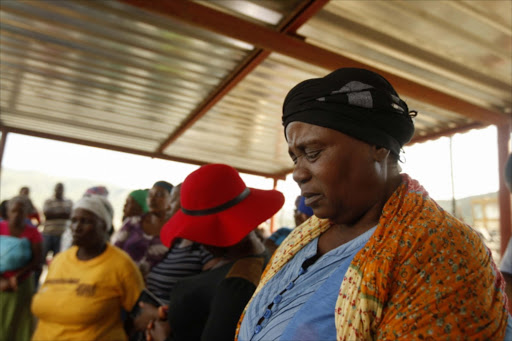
x: 87, y: 285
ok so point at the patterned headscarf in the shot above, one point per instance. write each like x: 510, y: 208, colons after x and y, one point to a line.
x: 356, y: 102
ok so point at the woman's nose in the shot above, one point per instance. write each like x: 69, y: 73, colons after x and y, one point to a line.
x: 301, y: 174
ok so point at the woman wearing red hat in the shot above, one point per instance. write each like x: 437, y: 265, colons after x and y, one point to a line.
x: 220, y: 212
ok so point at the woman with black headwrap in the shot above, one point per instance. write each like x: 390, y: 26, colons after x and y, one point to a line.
x: 379, y: 259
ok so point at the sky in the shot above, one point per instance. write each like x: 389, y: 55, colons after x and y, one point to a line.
x: 475, y: 165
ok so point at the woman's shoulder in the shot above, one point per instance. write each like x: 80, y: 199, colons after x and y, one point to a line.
x: 66, y: 256
x: 117, y: 253
x: 133, y: 222
x: 32, y: 234
x: 4, y: 227
x: 248, y: 269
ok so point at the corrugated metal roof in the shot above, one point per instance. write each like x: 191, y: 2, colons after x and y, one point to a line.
x: 103, y: 72
x: 204, y: 82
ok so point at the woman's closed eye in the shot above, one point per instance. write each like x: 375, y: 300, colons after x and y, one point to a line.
x: 312, y: 155
x: 308, y: 155
x: 293, y: 157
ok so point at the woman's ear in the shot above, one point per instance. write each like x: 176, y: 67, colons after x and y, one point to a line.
x: 380, y: 153
x: 103, y: 226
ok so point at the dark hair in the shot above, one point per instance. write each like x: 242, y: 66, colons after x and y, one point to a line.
x: 3, y: 209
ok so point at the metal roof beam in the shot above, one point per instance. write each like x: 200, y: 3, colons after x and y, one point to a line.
x: 503, y: 191
x: 447, y: 132
x: 281, y: 42
x: 6, y: 129
x: 305, y: 11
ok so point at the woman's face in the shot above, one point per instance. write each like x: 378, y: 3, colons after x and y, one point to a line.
x: 175, y: 202
x: 158, y: 199
x: 87, y: 228
x: 131, y: 207
x: 338, y: 175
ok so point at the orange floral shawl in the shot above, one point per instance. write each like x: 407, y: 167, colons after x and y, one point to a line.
x: 423, y: 275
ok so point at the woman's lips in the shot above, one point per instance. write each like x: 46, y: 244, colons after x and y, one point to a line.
x: 311, y: 199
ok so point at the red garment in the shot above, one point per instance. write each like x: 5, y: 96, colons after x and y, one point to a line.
x: 30, y: 232
x: 35, y: 215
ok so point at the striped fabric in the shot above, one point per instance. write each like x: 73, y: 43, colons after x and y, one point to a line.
x: 178, y: 263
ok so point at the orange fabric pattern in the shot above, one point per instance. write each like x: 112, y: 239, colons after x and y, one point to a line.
x: 423, y: 275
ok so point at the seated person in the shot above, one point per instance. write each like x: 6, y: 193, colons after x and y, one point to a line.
x: 223, y: 218
x: 140, y: 235
x: 16, y: 280
x: 88, y: 284
x: 184, y: 258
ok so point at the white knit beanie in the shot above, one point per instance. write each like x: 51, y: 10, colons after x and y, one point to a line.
x: 98, y: 205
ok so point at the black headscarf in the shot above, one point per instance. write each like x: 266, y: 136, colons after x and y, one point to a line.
x: 356, y: 102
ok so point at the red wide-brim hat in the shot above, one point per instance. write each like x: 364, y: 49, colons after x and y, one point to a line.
x: 218, y: 209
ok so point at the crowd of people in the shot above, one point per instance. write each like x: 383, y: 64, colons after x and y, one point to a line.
x: 371, y: 255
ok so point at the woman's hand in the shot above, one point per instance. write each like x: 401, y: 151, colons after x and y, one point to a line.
x: 8, y: 284
x: 158, y: 330
x: 148, y: 313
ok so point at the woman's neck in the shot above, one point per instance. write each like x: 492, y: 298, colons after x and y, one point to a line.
x: 339, y: 234
x: 84, y: 253
x: 249, y: 246
x: 152, y: 222
x: 160, y: 215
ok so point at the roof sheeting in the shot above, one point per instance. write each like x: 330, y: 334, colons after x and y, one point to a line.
x: 174, y: 83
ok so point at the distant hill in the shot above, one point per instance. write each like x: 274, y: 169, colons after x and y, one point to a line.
x: 42, y: 185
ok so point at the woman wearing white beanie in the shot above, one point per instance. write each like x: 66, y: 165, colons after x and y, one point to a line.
x: 87, y: 285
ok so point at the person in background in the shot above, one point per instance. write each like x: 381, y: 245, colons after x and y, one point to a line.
x: 184, y: 258
x: 222, y: 218
x: 66, y: 239
x: 88, y: 284
x: 16, y: 285
x: 136, y: 203
x: 379, y: 259
x: 140, y: 235
x: 506, y: 261
x: 97, y: 190
x: 33, y: 214
x: 300, y: 215
x: 57, y: 211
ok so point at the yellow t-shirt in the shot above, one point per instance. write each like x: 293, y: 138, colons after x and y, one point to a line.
x: 82, y: 300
